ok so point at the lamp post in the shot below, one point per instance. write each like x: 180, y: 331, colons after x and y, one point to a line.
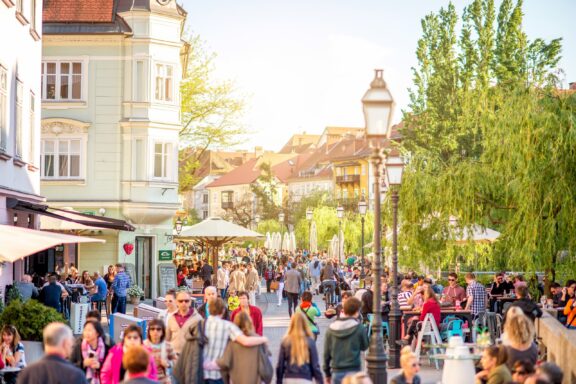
x: 309, y: 215
x: 257, y: 220
x: 281, y: 220
x: 340, y: 214
x: 394, y: 169
x: 362, y: 207
x: 378, y: 105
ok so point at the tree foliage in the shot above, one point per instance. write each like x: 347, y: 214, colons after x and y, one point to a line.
x: 491, y: 142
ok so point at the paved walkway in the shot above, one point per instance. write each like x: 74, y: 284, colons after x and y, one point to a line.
x: 276, y: 323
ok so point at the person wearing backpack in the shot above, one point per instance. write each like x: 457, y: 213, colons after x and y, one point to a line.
x: 310, y: 311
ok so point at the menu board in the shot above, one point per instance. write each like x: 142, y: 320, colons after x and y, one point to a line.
x: 167, y: 277
x: 131, y: 271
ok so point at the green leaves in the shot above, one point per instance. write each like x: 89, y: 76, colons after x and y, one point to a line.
x: 29, y: 318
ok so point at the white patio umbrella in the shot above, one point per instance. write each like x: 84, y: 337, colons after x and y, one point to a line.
x: 268, y: 242
x: 334, y: 246
x: 286, y: 241
x: 277, y: 241
x: 17, y: 243
x: 476, y: 234
x: 313, y: 238
x: 341, y: 246
x: 292, y: 242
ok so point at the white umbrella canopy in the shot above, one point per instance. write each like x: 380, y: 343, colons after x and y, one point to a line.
x: 286, y: 242
x: 477, y: 234
x: 17, y: 243
x: 341, y: 246
x: 216, y: 228
x: 292, y: 242
x: 268, y: 242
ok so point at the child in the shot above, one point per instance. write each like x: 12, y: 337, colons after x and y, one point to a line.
x: 233, y: 301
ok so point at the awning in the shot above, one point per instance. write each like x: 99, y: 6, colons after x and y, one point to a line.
x: 17, y: 242
x: 84, y: 220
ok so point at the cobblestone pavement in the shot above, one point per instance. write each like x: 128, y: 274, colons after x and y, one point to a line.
x: 276, y: 323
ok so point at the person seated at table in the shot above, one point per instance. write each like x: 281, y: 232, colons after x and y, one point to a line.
x: 405, y: 293
x: 518, y: 338
x: 494, y: 366
x: 12, y: 351
x: 520, y: 281
x: 570, y: 313
x: 368, y: 300
x: 521, y: 370
x: 419, y: 282
x: 524, y: 302
x: 555, y: 293
x: 410, y: 368
x: 500, y: 286
x: 417, y: 299
x: 431, y: 305
x: 27, y: 289
x: 100, y: 290
x: 568, y: 293
x: 453, y: 292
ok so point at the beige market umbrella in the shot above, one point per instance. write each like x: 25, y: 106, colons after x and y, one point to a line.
x: 17, y: 242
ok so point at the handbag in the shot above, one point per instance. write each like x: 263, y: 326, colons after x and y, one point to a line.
x: 274, y: 285
x: 265, y: 367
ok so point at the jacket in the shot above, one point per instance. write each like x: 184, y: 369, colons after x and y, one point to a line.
x: 310, y: 314
x: 188, y: 368
x: 292, y: 281
x: 255, y: 315
x: 309, y: 371
x: 175, y: 334
x: 52, y: 369
x: 499, y: 375
x: 237, y: 281
x: 401, y: 379
x: 570, y: 311
x: 221, y: 282
x: 76, y: 357
x: 50, y: 296
x: 235, y: 360
x: 110, y: 373
x: 327, y: 273
x: 527, y: 306
x: 344, y: 340
x: 252, y: 280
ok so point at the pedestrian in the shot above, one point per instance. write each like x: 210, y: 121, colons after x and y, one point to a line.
x: 171, y: 307
x: 237, y: 357
x: 223, y: 279
x: 53, y: 368
x: 161, y: 349
x: 298, y: 360
x: 233, y: 300
x: 137, y: 365
x: 292, y: 281
x: 90, y: 351
x: 494, y: 366
x: 254, y: 312
x: 113, y: 372
x: 206, y: 272
x: 279, y: 277
x: 109, y: 279
x: 345, y: 339
x: 410, y: 368
x: 310, y: 311
x: 12, y: 351
x: 210, y: 293
x: 269, y: 276
x: 237, y: 279
x: 218, y: 332
x: 180, y: 321
x: 252, y: 283
x: 120, y: 285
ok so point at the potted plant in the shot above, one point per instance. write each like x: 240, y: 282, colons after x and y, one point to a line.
x: 135, y: 293
x: 30, y: 318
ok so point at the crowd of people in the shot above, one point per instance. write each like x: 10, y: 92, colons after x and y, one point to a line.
x: 213, y: 342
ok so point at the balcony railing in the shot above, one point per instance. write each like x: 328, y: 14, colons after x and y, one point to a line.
x: 348, y: 179
x: 227, y: 204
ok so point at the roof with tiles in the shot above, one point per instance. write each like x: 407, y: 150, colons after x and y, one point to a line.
x: 78, y: 11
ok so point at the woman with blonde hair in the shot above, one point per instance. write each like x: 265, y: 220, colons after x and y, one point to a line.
x: 410, y: 368
x: 298, y: 358
x: 518, y: 337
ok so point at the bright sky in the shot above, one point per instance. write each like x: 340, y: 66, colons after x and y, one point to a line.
x: 305, y: 64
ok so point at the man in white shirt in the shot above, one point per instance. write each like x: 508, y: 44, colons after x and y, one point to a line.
x: 223, y: 279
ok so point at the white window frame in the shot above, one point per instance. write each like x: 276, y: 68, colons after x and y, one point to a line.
x: 18, y: 119
x: 82, y: 163
x: 58, y: 61
x: 140, y: 80
x: 169, y: 156
x: 139, y: 164
x: 4, y: 114
x: 163, y: 76
x: 32, y: 130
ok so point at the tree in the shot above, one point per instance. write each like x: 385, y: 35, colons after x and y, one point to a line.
x: 265, y: 190
x: 211, y: 112
x: 241, y: 211
x: 490, y: 142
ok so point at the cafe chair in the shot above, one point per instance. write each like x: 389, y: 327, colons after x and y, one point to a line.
x: 489, y: 321
x: 429, y: 330
x: 453, y: 327
x: 385, y: 326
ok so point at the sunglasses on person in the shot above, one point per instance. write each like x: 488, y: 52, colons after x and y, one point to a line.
x: 184, y: 301
x: 451, y: 279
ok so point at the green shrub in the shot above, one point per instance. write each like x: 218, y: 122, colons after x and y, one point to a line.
x: 29, y: 318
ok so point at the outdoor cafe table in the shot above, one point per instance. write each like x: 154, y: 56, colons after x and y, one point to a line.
x: 444, y: 312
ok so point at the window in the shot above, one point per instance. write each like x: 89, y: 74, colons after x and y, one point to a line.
x: 33, y: 14
x: 139, y: 160
x: 139, y: 83
x: 164, y: 81
x: 62, y: 80
x: 32, y: 120
x: 163, y: 160
x: 205, y: 198
x: 204, y: 215
x: 18, y: 117
x: 3, y: 108
x: 61, y: 158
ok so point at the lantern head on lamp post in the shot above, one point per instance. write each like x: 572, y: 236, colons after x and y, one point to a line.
x: 378, y: 106
x: 178, y: 226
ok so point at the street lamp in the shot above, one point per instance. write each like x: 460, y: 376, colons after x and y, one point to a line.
x: 257, y: 220
x: 362, y: 207
x: 281, y: 220
x: 177, y: 227
x: 378, y: 106
x: 309, y: 215
x: 340, y: 214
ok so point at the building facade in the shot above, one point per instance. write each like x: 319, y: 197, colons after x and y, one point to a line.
x: 111, y: 71
x: 20, y: 58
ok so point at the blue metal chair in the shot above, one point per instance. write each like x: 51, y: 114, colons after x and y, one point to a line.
x: 453, y: 328
x: 385, y: 326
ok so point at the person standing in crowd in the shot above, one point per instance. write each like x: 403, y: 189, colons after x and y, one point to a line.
x: 53, y: 367
x: 218, y: 332
x: 315, y: 268
x: 90, y: 351
x: 161, y: 349
x: 410, y: 368
x: 279, y: 277
x: 269, y: 276
x: 345, y: 339
x: 113, y: 372
x: 518, y: 337
x: 475, y: 295
x: 181, y: 321
x: 223, y: 279
x: 494, y: 366
x: 298, y: 358
x: 109, y: 279
x: 120, y: 285
x: 27, y: 289
x: 237, y: 357
x: 206, y: 272
x: 237, y: 280
x: 310, y: 311
x: 171, y: 307
x: 292, y: 281
x: 252, y: 283
x: 12, y: 351
x: 453, y: 292
x: 210, y: 293
x: 137, y: 366
x: 51, y: 294
x: 254, y: 312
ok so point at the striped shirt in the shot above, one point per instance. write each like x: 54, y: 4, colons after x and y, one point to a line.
x: 218, y: 332
x: 403, y: 298
x: 478, y: 293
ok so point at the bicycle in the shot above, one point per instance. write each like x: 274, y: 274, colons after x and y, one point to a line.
x: 329, y: 288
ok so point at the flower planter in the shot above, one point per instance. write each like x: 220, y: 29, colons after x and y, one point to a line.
x: 134, y: 300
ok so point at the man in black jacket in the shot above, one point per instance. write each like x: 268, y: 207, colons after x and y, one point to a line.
x: 527, y: 306
x: 53, y: 368
x: 206, y: 273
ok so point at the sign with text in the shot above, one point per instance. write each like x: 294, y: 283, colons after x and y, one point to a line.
x: 165, y: 255
x: 166, y: 277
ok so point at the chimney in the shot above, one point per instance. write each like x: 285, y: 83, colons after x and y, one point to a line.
x: 258, y: 151
x: 572, y: 85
